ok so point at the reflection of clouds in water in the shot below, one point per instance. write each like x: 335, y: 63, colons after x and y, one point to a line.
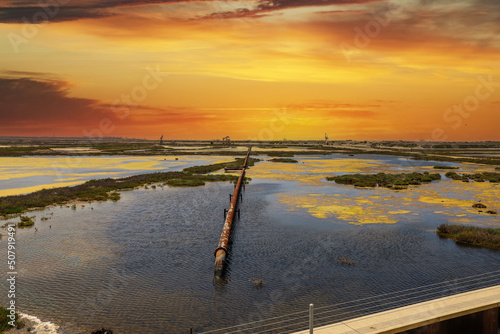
x: 26, y: 190
x: 309, y: 172
x: 451, y: 199
x: 24, y: 175
x: 379, y: 205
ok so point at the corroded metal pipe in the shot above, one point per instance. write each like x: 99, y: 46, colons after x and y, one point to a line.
x: 222, y: 249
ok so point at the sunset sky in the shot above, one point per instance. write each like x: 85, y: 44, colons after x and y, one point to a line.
x: 262, y: 69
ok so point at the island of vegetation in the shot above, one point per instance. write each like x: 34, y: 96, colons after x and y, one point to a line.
x: 106, y: 189
x: 471, y: 235
x: 445, y: 167
x: 26, y: 222
x: 477, y: 177
x: 5, y: 319
x: 392, y: 181
x: 283, y: 160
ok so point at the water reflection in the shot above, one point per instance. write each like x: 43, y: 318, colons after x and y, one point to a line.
x: 145, y: 263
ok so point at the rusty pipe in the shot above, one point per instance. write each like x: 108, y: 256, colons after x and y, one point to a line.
x: 222, y: 249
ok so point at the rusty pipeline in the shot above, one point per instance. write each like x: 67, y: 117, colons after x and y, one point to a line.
x: 222, y: 249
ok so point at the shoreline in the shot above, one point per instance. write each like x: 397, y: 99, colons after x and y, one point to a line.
x: 33, y: 325
x: 449, y: 152
x: 108, y: 188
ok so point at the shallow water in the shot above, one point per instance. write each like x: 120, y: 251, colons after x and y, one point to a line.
x: 23, y: 175
x: 145, y: 263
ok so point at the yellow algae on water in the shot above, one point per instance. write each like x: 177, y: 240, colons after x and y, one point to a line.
x: 382, y: 206
x: 399, y: 212
x: 486, y: 221
x: 339, y: 207
x: 68, y: 171
x: 445, y: 201
x: 325, y: 211
x: 341, y: 165
x: 17, y: 191
x: 312, y: 171
x: 284, y: 172
x: 375, y: 220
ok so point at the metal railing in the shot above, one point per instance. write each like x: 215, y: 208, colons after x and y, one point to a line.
x: 330, y: 314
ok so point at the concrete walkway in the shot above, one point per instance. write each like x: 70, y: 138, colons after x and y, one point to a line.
x: 417, y: 315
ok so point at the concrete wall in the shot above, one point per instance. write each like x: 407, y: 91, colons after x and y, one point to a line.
x: 485, y: 322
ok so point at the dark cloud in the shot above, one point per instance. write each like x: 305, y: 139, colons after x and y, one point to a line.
x: 282, y: 4
x: 27, y: 100
x: 33, y: 12
x: 460, y: 31
x: 38, y: 14
x: 48, y: 10
x: 35, y: 106
x: 266, y: 6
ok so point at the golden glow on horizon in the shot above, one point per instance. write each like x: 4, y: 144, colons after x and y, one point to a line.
x: 226, y: 76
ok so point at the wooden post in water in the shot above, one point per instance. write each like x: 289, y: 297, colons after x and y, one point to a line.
x: 222, y: 249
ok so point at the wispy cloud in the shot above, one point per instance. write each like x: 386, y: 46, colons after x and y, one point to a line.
x: 20, y: 11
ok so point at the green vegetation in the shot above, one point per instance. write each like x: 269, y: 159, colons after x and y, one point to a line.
x: 215, y: 167
x: 106, y: 189
x: 25, y: 222
x: 4, y: 320
x: 470, y: 235
x: 436, y: 152
x: 392, y: 181
x: 114, y: 196
x: 184, y: 183
x: 18, y: 151
x: 477, y: 177
x: 282, y: 154
x: 420, y: 154
x: 497, y: 168
x: 445, y: 167
x: 199, y: 180
x: 283, y: 160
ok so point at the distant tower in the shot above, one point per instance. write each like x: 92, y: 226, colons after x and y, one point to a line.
x: 161, y: 140
x: 226, y: 141
x: 326, y: 139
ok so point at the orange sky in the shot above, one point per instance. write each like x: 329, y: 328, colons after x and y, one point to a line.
x: 263, y: 69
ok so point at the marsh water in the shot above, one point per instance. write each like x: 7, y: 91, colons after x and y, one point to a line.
x: 144, y: 264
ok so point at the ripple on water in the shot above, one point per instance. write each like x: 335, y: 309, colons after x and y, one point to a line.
x: 145, y: 263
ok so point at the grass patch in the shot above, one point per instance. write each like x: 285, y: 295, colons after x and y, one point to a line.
x: 106, y: 189
x: 469, y: 235
x: 19, y: 151
x: 445, y: 167
x: 25, y: 222
x: 493, y: 177
x: 185, y: 183
x: 215, y: 167
x: 287, y: 154
x: 283, y: 160
x: 4, y: 320
x: 392, y: 181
